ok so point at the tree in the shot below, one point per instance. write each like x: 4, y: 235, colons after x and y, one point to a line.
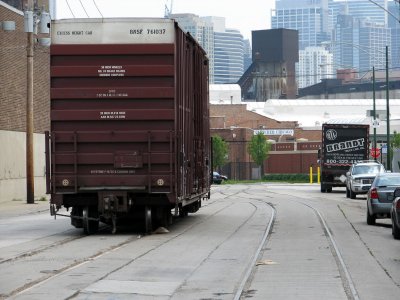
x: 395, y: 151
x: 258, y: 149
x: 396, y: 139
x: 219, y: 152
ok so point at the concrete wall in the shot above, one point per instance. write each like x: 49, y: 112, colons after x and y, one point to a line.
x: 13, y: 166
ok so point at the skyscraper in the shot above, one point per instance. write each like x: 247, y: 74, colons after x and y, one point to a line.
x: 361, y: 9
x: 203, y: 31
x: 360, y: 43
x: 315, y: 63
x: 310, y: 18
x: 247, y: 54
x: 224, y: 47
x: 228, y: 56
x: 394, y: 25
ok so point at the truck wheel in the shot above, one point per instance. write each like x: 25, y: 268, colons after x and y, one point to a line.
x: 347, y: 192
x: 395, y: 231
x: 352, y: 194
x: 329, y: 189
x: 323, y: 188
x: 371, y: 219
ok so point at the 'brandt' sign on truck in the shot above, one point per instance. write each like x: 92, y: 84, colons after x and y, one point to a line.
x: 342, y: 145
x: 347, y: 145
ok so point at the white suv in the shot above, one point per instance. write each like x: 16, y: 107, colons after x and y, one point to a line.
x: 360, y: 177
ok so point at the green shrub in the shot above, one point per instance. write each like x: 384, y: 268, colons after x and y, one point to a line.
x: 301, y: 178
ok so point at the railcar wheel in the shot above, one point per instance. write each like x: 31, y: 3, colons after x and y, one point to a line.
x: 76, y: 217
x: 90, y: 226
x: 163, y: 217
x: 147, y: 220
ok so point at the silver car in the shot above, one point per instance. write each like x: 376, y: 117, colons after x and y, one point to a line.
x: 381, y: 195
x: 360, y: 177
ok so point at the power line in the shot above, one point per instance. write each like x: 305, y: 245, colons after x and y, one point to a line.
x: 70, y: 8
x: 380, y: 6
x: 84, y: 8
x: 95, y: 4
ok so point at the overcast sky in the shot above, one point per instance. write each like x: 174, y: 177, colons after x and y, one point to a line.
x: 249, y: 15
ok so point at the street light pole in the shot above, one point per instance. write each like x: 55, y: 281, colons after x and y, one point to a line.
x: 388, y: 162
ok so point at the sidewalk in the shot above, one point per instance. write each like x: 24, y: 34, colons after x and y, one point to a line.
x: 19, y: 207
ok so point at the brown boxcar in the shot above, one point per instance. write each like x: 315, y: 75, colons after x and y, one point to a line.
x: 130, y: 135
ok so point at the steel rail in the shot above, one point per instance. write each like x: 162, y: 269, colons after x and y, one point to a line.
x: 267, y: 232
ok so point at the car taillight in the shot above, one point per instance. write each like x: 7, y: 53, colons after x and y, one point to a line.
x: 398, y: 205
x: 374, y: 193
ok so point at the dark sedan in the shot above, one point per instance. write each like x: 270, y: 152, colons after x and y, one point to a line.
x: 218, y: 178
x: 381, y: 195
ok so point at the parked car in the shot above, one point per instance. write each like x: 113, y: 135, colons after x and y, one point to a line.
x: 380, y: 196
x: 218, y: 178
x: 395, y: 214
x: 360, y: 177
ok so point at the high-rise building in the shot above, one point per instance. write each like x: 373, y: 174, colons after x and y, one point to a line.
x: 359, y: 43
x: 315, y: 63
x: 361, y: 9
x: 224, y: 47
x: 228, y: 56
x: 228, y: 52
x: 247, y: 54
x: 310, y: 18
x: 394, y: 25
x: 203, y: 31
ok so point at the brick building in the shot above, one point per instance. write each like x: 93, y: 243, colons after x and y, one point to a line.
x: 294, y: 150
x: 13, y: 99
x: 13, y: 63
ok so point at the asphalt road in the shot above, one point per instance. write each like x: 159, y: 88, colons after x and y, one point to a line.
x: 259, y: 241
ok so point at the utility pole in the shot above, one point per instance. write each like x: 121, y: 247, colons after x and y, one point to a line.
x: 374, y: 105
x: 388, y: 162
x: 30, y: 179
x: 32, y: 17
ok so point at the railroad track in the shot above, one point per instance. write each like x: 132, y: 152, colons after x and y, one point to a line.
x: 347, y: 281
x: 124, y: 241
x: 133, y: 251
